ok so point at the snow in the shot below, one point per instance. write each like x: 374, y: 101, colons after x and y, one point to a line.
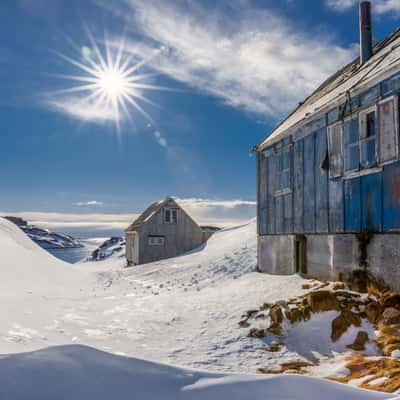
x: 80, y: 373
x: 395, y: 354
x: 183, y: 311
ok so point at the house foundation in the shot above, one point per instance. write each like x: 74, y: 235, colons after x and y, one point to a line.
x: 332, y: 257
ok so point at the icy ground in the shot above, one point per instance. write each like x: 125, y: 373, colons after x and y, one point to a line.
x: 184, y: 311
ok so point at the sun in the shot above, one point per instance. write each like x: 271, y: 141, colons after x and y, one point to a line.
x: 109, y: 79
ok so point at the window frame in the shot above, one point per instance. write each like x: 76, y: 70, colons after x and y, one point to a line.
x: 155, y: 240
x: 355, y: 170
x: 395, y: 99
x: 173, y: 215
x: 341, y: 152
x: 362, y: 139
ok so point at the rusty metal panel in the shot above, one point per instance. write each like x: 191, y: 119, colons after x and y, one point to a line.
x: 336, y: 206
x: 309, y: 183
x: 352, y: 205
x: 371, y: 202
x: 391, y: 197
x: 387, y: 128
x: 298, y: 187
x: 279, y: 214
x: 270, y: 193
x: 321, y: 181
x: 288, y: 213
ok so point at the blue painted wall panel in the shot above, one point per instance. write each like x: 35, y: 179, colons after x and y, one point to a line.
x: 321, y: 182
x: 309, y: 183
x: 391, y: 197
x: 263, y: 197
x: 371, y: 205
x: 298, y: 186
x: 336, y: 206
x: 271, y: 190
x: 352, y: 205
x: 288, y: 213
x: 279, y: 210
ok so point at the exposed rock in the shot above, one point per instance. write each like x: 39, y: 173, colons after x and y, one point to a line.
x: 322, y: 300
x: 373, y: 311
x: 341, y: 323
x: 275, y: 348
x: 276, y: 314
x: 338, y: 286
x: 260, y: 315
x: 294, y: 367
x: 306, y: 286
x: 391, y: 316
x: 256, y: 333
x: 392, y: 300
x: 265, y: 306
x: 275, y: 329
x: 360, y: 341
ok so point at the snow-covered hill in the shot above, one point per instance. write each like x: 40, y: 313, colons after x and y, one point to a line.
x: 183, y: 311
x: 44, y: 237
x: 110, y: 248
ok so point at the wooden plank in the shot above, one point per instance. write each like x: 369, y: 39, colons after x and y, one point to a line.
x: 288, y: 213
x: 321, y: 181
x: 370, y: 96
x: 371, y: 202
x: 391, y: 197
x: 352, y: 205
x: 391, y: 85
x: 279, y: 215
x: 336, y: 206
x: 270, y: 191
x: 387, y: 128
x: 262, y: 195
x: 309, y: 184
x: 298, y: 186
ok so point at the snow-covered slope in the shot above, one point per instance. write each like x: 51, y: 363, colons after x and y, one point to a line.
x: 183, y: 311
x: 82, y: 373
x: 44, y: 237
x: 110, y: 248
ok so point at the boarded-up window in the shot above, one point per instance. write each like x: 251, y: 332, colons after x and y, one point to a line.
x: 388, y: 136
x: 156, y: 240
x: 335, y: 150
x: 282, y: 170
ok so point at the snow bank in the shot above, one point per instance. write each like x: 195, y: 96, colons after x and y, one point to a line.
x: 81, y: 373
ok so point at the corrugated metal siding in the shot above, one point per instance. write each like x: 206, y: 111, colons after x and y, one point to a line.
x: 352, y: 205
x: 336, y: 205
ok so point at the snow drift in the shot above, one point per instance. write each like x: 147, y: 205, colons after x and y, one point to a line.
x: 81, y: 373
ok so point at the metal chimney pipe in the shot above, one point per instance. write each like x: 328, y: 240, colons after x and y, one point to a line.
x: 365, y: 31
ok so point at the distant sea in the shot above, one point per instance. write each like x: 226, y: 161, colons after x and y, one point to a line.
x: 90, y: 238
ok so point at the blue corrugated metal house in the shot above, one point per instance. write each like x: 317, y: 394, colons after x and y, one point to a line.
x: 329, y: 174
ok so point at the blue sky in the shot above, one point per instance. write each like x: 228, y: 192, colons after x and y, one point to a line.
x: 235, y: 69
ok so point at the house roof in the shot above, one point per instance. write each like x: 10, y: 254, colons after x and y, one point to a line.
x: 385, y: 59
x: 149, y: 212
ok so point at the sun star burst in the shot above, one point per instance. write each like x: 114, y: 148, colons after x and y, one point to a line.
x: 110, y: 80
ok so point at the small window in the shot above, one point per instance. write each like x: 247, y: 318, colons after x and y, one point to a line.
x: 388, y: 129
x: 351, y: 145
x: 335, y: 133
x: 282, y: 170
x: 170, y: 216
x: 156, y: 240
x: 367, y: 124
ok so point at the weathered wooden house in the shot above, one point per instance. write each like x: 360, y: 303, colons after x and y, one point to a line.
x: 164, y: 230
x: 329, y: 174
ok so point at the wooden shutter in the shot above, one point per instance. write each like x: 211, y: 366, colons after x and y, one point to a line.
x: 387, y: 130
x: 335, y: 150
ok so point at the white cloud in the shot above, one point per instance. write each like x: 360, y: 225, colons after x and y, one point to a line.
x: 81, y: 108
x: 88, y: 203
x: 380, y: 6
x: 252, y: 59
